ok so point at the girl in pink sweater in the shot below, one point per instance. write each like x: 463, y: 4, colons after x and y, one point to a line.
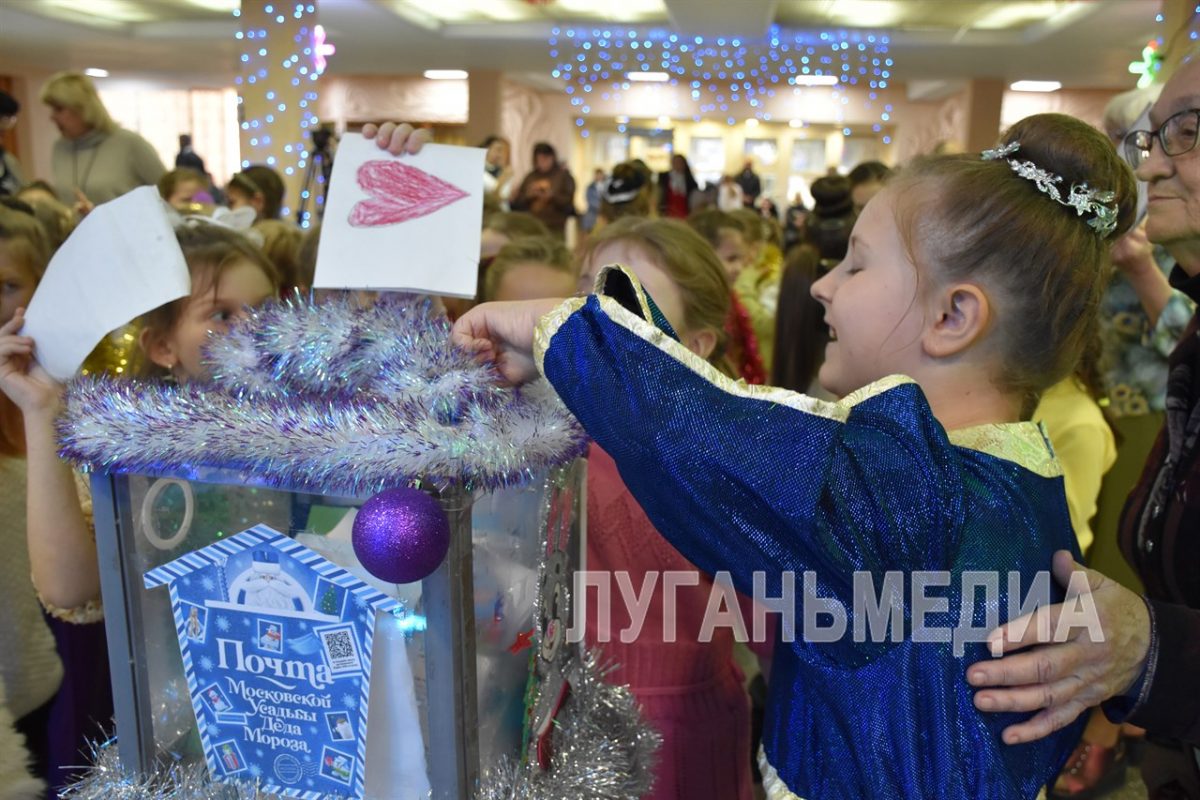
x: 690, y: 690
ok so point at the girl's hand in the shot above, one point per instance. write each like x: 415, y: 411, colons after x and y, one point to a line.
x: 503, y: 333
x: 397, y: 138
x: 21, y: 378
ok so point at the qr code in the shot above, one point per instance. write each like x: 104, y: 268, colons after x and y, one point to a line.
x: 340, y: 645
x: 341, y: 648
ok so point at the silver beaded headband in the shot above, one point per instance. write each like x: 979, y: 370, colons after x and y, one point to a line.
x: 1085, y: 200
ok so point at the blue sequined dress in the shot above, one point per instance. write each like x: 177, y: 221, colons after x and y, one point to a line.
x: 750, y: 479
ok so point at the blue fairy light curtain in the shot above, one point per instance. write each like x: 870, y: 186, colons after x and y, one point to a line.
x: 726, y: 77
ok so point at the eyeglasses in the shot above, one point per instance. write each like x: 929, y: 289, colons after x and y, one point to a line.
x: 1177, y: 136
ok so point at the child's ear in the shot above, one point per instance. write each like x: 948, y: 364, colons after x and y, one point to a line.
x: 702, y: 342
x: 962, y: 316
x: 158, y: 349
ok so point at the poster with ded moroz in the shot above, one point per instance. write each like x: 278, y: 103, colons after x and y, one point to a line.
x: 276, y: 645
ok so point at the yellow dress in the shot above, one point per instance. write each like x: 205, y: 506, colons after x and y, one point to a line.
x: 1085, y: 447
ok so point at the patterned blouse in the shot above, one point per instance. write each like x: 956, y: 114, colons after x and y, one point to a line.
x: 1136, y: 354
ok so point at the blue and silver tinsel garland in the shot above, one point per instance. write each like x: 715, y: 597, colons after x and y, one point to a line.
x: 603, y: 749
x: 333, y: 398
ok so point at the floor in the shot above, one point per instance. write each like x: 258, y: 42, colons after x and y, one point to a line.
x: 1134, y: 789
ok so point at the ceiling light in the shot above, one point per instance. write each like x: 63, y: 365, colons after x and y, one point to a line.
x: 446, y: 74
x: 226, y: 6
x: 95, y: 72
x: 617, y: 9
x: 648, y: 77
x: 795, y: 123
x: 441, y: 10
x: 752, y: 122
x: 882, y: 13
x: 622, y: 120
x: 664, y: 122
x: 816, y: 80
x: 1017, y: 15
x: 1036, y: 86
x: 103, y: 12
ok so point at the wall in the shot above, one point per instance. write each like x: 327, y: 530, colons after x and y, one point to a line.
x: 816, y: 105
x: 923, y: 126
x: 351, y: 100
x: 1086, y: 104
x: 528, y: 116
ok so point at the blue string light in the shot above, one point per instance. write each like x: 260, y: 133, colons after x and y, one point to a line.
x: 272, y: 66
x: 749, y: 73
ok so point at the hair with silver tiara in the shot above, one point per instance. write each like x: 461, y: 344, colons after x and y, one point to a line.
x: 1099, y: 204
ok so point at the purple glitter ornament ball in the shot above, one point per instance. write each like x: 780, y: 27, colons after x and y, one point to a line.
x: 401, y: 535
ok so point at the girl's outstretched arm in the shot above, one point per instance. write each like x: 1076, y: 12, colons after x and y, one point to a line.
x: 62, y: 549
x: 749, y: 479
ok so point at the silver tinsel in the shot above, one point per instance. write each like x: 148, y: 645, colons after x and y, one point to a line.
x: 331, y: 398
x: 601, y: 746
x: 105, y: 780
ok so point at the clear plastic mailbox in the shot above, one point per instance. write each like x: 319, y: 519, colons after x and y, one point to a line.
x: 451, y: 662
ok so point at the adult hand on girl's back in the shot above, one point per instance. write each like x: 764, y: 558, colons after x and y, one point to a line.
x: 397, y: 137
x: 21, y: 378
x: 503, y: 333
x: 1063, y: 676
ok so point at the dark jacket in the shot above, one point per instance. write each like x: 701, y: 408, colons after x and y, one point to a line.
x: 750, y: 183
x: 1160, y: 537
x: 554, y: 208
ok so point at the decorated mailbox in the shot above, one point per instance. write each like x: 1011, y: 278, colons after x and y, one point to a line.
x: 276, y: 644
x: 342, y: 569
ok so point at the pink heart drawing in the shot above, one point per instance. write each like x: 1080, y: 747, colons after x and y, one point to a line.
x: 399, y: 193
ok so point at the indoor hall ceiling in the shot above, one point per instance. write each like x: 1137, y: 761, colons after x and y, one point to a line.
x: 1086, y: 43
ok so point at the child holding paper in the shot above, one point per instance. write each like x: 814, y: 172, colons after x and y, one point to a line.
x: 228, y: 275
x: 30, y: 670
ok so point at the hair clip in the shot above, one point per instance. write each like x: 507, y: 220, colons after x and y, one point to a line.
x: 1003, y: 151
x: 1100, y: 204
x: 240, y: 220
x: 1085, y: 200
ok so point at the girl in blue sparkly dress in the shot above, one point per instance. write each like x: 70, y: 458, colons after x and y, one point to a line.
x: 970, y: 286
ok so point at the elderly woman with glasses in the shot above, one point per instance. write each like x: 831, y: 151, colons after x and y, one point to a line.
x: 1145, y: 665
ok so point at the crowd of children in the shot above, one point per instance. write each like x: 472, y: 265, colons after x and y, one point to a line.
x: 857, y: 404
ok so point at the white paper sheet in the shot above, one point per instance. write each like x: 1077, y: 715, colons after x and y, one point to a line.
x: 406, y: 223
x: 122, y: 261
